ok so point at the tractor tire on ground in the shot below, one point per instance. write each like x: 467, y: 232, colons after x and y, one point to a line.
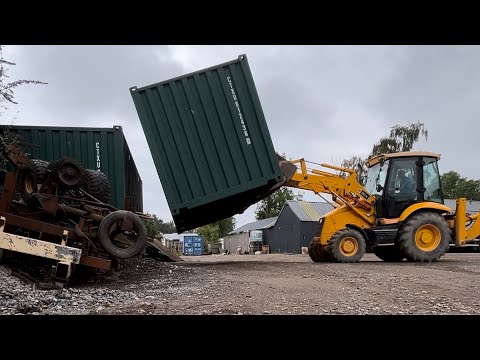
x: 317, y: 251
x: 97, y: 184
x: 346, y: 246
x: 409, y: 258
x: 111, y: 234
x: 31, y: 177
x: 391, y: 253
x: 68, y: 173
x: 424, y: 237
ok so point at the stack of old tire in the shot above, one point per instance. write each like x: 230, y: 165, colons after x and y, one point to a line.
x: 67, y: 174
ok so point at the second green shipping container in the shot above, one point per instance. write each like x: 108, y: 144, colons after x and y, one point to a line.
x: 103, y: 149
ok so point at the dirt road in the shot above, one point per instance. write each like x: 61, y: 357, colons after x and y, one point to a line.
x: 263, y: 284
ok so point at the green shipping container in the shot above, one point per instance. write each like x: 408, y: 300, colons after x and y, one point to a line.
x: 103, y: 149
x: 209, y: 141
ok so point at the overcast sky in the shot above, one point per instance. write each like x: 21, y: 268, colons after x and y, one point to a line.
x: 322, y: 103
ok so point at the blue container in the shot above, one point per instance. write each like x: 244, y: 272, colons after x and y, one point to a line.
x: 192, y: 245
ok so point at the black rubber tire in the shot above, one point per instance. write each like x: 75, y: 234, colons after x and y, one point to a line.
x: 409, y: 258
x: 106, y: 233
x: 391, y: 253
x: 317, y: 251
x: 97, y: 184
x: 72, y: 179
x: 33, y: 173
x: 407, y: 237
x: 335, y: 241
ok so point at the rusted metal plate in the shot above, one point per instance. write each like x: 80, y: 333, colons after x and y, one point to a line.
x: 156, y: 247
x: 36, y: 247
x: 20, y: 221
x: 8, y: 190
x: 95, y: 262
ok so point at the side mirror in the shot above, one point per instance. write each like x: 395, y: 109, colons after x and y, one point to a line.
x: 363, y: 180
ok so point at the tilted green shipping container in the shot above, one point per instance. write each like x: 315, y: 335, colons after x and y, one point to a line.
x: 209, y: 141
x: 103, y: 149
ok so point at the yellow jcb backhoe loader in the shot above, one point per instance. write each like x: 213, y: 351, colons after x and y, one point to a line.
x: 396, y: 209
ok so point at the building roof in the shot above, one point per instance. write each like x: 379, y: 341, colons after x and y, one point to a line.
x: 472, y: 205
x: 256, y: 225
x: 309, y: 211
x: 173, y: 236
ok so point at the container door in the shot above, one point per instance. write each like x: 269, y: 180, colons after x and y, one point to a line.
x: 197, y: 248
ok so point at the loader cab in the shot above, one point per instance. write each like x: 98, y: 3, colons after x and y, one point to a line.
x: 402, y: 179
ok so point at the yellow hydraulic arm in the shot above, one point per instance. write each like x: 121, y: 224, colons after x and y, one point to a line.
x: 465, y: 232
x: 345, y: 190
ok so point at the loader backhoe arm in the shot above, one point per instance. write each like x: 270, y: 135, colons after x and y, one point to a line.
x: 344, y: 189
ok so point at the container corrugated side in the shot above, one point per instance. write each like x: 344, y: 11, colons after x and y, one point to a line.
x: 209, y: 141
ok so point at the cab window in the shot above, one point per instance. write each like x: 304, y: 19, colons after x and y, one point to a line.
x: 431, y: 181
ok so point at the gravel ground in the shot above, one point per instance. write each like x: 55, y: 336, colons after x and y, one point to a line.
x: 260, y: 284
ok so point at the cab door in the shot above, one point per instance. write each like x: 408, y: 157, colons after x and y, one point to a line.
x: 403, y: 185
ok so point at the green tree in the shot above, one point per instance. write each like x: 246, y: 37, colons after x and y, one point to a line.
x: 153, y: 226
x: 469, y: 189
x: 455, y: 186
x: 401, y: 138
x: 225, y: 226
x: 156, y: 226
x: 167, y: 227
x: 209, y: 233
x: 449, y: 182
x: 273, y: 204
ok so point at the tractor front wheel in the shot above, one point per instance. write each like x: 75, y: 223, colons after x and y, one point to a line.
x: 346, y: 246
x: 317, y: 251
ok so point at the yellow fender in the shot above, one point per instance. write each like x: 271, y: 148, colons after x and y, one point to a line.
x: 427, y: 205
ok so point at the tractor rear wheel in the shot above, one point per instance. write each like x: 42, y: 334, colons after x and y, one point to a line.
x: 346, y: 246
x: 97, y: 184
x: 68, y: 173
x: 390, y: 253
x: 31, y: 176
x: 317, y: 251
x: 424, y: 237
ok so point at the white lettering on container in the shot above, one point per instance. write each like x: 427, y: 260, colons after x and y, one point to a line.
x: 240, y: 115
x: 97, y: 149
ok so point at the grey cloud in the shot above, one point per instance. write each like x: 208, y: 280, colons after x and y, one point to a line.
x: 439, y: 86
x: 323, y: 103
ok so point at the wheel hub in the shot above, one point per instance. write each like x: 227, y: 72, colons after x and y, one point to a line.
x: 348, y: 246
x: 70, y: 175
x: 428, y: 237
x: 28, y: 184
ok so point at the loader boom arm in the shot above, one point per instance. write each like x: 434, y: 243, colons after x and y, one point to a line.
x: 344, y: 189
